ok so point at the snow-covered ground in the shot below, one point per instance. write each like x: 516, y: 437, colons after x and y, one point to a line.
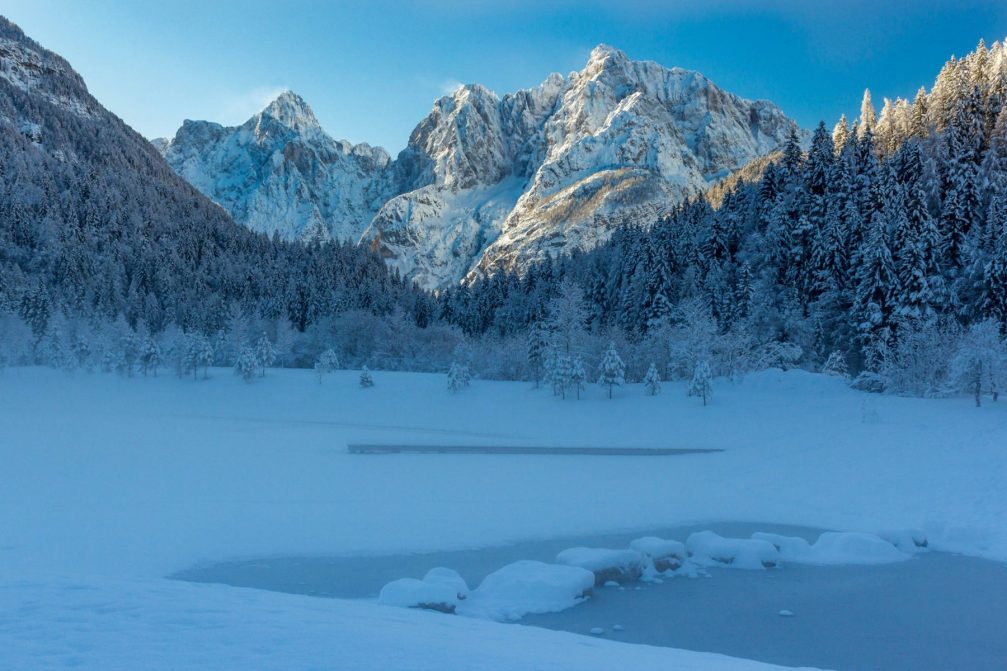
x: 110, y: 484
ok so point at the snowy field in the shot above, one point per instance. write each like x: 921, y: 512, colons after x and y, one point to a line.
x: 110, y: 484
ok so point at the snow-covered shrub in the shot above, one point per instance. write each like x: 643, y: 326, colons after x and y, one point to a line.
x: 706, y: 547
x: 917, y: 363
x: 836, y: 366
x: 605, y: 564
x: 665, y: 555
x: 578, y: 376
x: 365, y: 378
x: 652, y: 381
x: 702, y: 382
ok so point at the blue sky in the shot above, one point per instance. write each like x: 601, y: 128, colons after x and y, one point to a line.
x: 372, y: 69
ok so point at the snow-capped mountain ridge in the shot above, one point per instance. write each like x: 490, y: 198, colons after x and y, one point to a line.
x: 488, y: 181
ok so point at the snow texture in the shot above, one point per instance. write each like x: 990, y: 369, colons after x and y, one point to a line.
x: 528, y: 586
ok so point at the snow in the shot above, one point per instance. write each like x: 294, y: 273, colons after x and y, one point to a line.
x: 606, y: 564
x: 707, y: 547
x: 109, y: 484
x: 525, y: 587
x: 441, y: 589
x: 842, y: 547
x: 658, y: 548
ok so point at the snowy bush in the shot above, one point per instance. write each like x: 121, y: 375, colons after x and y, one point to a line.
x: 578, y: 376
x: 365, y: 378
x: 836, y: 366
x: 265, y: 353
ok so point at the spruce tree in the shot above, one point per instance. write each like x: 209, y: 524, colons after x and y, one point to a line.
x: 652, y: 381
x: 701, y: 384
x: 612, y: 370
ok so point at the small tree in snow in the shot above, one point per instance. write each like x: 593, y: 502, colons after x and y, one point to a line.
x: 365, y: 378
x: 981, y: 361
x: 702, y: 382
x: 266, y: 354
x: 652, y: 381
x: 578, y: 376
x: 150, y: 356
x: 197, y: 353
x: 560, y: 371
x: 458, y: 377
x: 328, y: 362
x: 247, y: 364
x: 836, y: 366
x: 612, y: 369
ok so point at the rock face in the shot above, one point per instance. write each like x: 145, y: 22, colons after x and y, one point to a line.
x: 487, y: 182
x: 279, y: 171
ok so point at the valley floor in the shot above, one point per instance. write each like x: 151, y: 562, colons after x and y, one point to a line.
x: 107, y: 485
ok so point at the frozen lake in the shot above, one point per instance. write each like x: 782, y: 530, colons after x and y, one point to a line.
x: 935, y: 611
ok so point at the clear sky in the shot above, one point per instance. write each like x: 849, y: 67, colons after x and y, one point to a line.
x: 371, y: 69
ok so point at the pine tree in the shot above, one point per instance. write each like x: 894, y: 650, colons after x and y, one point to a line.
x: 537, y: 345
x: 458, y: 377
x: 150, y: 356
x: 875, y: 280
x: 612, y: 370
x: 561, y: 371
x: 652, y: 381
x: 702, y: 382
x: 247, y: 364
x: 868, y: 118
x: 840, y: 135
x: 266, y: 353
x: 365, y: 378
x: 578, y: 376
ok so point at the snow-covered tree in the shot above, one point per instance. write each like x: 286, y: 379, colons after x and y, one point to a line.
x: 578, y: 375
x: 458, y: 377
x: 365, y: 378
x: 265, y: 352
x: 980, y: 363
x: 702, y: 382
x: 150, y: 356
x: 538, y: 344
x: 612, y: 370
x: 652, y: 381
x: 326, y: 363
x: 247, y: 364
x: 836, y: 366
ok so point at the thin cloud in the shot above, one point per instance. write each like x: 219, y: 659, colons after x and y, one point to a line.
x: 240, y: 106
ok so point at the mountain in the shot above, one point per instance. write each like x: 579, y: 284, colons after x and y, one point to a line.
x: 279, y: 171
x: 489, y: 182
x: 96, y: 229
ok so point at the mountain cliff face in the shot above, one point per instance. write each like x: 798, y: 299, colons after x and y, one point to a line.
x: 279, y: 171
x: 490, y: 182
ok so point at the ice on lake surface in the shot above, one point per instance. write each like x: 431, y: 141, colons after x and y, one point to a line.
x: 935, y: 611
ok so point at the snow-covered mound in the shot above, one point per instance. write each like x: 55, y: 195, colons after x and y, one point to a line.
x: 526, y: 587
x: 664, y: 554
x: 606, y: 564
x: 834, y: 547
x: 280, y: 172
x: 441, y: 589
x: 706, y: 547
